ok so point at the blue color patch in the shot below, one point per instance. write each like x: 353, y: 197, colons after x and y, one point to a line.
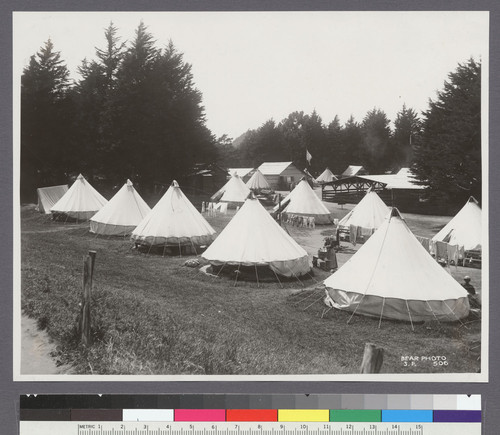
x: 409, y: 416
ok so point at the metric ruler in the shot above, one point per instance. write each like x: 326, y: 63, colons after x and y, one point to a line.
x: 245, y: 428
x: 250, y: 415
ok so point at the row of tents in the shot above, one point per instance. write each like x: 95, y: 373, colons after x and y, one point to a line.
x: 391, y: 275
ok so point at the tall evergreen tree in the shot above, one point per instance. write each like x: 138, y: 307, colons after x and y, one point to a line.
x: 336, y: 158
x: 158, y: 118
x: 93, y: 94
x: 407, y: 130
x: 46, y: 114
x: 376, y: 152
x: 448, y: 153
x: 351, y: 140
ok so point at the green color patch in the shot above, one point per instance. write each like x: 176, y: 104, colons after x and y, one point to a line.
x: 352, y: 415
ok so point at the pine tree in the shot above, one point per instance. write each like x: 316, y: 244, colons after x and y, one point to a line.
x: 375, y: 148
x: 407, y: 130
x: 46, y: 116
x: 448, y: 153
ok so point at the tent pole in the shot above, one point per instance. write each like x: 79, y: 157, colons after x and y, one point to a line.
x: 296, y: 277
x: 257, y: 276
x: 381, y: 313
x: 307, y: 297
x: 432, y: 311
x: 150, y: 246
x: 313, y: 302
x: 409, y: 314
x: 194, y: 247
x: 279, y: 208
x: 220, y: 270
x: 164, y: 247
x: 453, y: 312
x: 356, y: 309
x: 237, y: 273
x: 276, y: 275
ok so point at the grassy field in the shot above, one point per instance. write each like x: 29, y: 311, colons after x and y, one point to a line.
x: 153, y: 315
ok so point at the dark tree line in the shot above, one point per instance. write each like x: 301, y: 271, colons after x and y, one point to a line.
x: 133, y: 113
x: 442, y: 145
x: 370, y: 143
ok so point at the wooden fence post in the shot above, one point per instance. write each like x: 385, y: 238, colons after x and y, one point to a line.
x: 88, y: 272
x: 373, y: 358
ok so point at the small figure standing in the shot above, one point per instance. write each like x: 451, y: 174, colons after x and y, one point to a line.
x: 473, y: 298
x: 468, y: 286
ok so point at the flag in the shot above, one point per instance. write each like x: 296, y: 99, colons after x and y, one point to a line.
x: 308, y: 157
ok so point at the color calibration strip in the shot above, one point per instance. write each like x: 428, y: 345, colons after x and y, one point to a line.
x: 348, y: 408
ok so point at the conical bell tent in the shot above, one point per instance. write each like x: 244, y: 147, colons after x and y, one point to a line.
x: 368, y: 215
x: 174, y: 222
x: 258, y: 182
x: 302, y: 201
x: 465, y: 229
x: 253, y: 239
x: 234, y: 192
x: 392, y: 276
x: 326, y: 176
x: 121, y: 215
x: 80, y: 202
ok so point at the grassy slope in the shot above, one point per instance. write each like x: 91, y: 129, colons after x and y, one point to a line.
x: 154, y: 315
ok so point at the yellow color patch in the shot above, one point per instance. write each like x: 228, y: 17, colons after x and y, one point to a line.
x: 303, y: 415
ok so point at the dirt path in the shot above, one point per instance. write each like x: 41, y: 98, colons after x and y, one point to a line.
x: 36, y: 347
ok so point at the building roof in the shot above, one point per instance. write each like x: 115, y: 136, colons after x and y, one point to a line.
x: 273, y: 168
x: 404, y: 179
x: 241, y: 172
x: 351, y: 170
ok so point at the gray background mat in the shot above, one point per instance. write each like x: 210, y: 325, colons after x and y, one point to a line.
x: 10, y: 391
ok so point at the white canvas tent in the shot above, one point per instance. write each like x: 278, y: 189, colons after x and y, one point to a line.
x: 393, y: 276
x: 326, y: 176
x: 258, y: 182
x: 465, y: 229
x: 302, y: 201
x: 234, y: 192
x: 121, y: 214
x: 368, y: 214
x: 48, y: 196
x: 173, y: 221
x: 80, y: 202
x: 253, y: 238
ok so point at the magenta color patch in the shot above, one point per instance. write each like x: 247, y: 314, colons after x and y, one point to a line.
x: 199, y: 415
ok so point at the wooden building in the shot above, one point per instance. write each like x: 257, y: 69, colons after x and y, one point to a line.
x: 396, y: 190
x: 281, y: 175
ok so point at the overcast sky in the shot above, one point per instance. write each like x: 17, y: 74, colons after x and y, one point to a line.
x: 253, y: 66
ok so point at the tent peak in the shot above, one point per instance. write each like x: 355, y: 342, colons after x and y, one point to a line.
x: 175, y: 184
x: 129, y: 183
x: 395, y: 213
